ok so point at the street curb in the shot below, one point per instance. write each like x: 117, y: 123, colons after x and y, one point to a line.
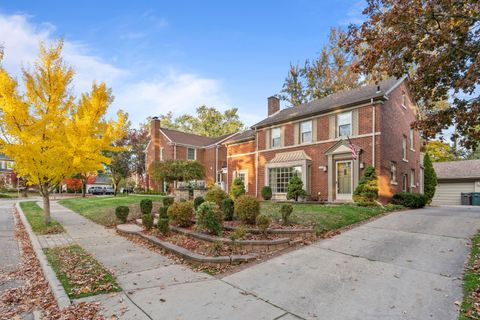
x: 57, y: 289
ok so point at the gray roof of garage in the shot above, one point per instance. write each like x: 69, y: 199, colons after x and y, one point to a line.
x: 463, y: 169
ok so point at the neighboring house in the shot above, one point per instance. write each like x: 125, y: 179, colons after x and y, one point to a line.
x: 7, y: 176
x: 310, y: 140
x: 167, y: 144
x: 455, y: 177
x: 100, y: 181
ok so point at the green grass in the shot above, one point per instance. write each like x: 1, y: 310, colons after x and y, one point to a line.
x: 79, y: 273
x: 471, y: 283
x: 102, y: 209
x: 322, y: 217
x: 36, y: 219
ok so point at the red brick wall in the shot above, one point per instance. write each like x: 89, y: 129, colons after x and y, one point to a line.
x: 244, y: 162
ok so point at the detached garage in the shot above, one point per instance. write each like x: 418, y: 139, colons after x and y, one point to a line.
x: 455, y: 177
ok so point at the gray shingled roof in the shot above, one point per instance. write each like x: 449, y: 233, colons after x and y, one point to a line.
x: 337, y: 100
x: 242, y: 136
x: 190, y: 138
x: 464, y: 169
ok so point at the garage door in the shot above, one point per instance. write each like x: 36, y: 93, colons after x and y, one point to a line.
x: 448, y: 193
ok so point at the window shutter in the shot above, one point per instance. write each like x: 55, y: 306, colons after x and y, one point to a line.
x: 332, y: 127
x: 314, y: 129
x: 282, y: 136
x: 267, y: 139
x: 296, y: 133
x: 355, y: 122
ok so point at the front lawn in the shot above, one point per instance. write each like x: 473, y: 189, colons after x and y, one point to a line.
x: 80, y: 274
x: 471, y: 284
x: 102, y: 209
x: 36, y: 219
x: 322, y: 217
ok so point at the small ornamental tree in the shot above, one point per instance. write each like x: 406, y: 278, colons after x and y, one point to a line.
x: 366, y: 192
x: 429, y: 178
x: 238, y: 188
x: 295, y: 188
x: 267, y: 193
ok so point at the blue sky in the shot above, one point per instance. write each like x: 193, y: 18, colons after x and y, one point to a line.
x: 163, y: 56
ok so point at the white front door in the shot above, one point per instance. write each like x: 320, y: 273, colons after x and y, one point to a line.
x: 344, y: 180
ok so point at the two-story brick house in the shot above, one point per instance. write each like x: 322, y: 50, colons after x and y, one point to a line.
x: 166, y: 144
x: 311, y: 140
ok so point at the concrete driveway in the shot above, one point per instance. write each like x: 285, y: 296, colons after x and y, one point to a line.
x: 407, y: 265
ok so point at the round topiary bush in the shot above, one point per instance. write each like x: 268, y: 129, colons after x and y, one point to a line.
x: 238, y: 188
x: 247, y: 209
x: 162, y: 225
x: 228, y: 208
x: 146, y: 206
x: 162, y: 212
x: 286, y: 210
x: 209, y: 218
x: 181, y: 213
x: 168, y: 201
x: 262, y: 222
x: 266, y: 193
x: 198, y: 201
x: 147, y: 221
x: 216, y: 195
x: 122, y: 213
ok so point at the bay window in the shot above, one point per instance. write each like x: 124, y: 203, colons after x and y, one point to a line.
x: 279, y: 178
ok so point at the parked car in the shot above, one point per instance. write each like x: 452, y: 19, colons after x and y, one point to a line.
x: 108, y: 190
x: 96, y: 190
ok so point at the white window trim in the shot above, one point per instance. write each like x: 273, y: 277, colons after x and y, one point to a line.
x: 162, y: 152
x: 194, y: 154
x: 338, y: 124
x: 280, y: 137
x: 405, y: 185
x: 412, y: 135
x: 393, y: 182
x: 404, y: 100
x: 412, y: 179
x: 404, y: 154
x: 301, y: 132
x: 245, y: 172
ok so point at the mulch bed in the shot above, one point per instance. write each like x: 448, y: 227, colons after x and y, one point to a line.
x: 35, y: 293
x: 248, y: 236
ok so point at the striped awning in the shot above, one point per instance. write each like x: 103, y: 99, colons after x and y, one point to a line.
x: 290, y: 156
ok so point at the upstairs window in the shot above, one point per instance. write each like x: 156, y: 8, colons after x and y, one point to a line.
x: 412, y: 144
x: 276, y: 137
x: 404, y: 148
x: 162, y: 154
x: 306, y: 131
x: 191, y: 154
x: 344, y: 124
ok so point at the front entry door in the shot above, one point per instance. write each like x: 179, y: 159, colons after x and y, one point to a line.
x: 344, y: 180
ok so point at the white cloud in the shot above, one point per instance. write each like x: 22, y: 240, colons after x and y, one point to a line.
x: 174, y: 91
x: 138, y: 94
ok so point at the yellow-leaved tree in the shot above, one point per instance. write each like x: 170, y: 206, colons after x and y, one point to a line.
x: 50, y: 134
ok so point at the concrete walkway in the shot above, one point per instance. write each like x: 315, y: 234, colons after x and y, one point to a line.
x: 407, y: 265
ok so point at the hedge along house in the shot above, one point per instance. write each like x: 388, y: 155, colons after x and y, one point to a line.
x: 311, y: 140
x: 167, y: 144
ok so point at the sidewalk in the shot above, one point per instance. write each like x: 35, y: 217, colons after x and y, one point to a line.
x: 155, y: 287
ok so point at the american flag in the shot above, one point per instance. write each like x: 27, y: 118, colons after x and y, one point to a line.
x: 352, y: 147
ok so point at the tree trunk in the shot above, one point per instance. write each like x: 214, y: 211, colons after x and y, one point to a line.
x: 46, y: 204
x: 84, y: 185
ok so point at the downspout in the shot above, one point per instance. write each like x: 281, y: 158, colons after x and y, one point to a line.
x: 256, y: 163
x: 373, y: 133
x: 216, y: 164
x: 175, y: 158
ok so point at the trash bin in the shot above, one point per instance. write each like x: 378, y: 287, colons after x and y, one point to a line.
x: 466, y: 198
x: 476, y: 198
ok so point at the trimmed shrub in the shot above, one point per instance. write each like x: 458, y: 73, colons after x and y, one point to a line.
x: 147, y: 221
x: 429, y: 178
x: 168, y: 201
x: 266, y: 193
x: 228, y: 208
x: 122, y: 213
x: 162, y: 225
x: 263, y: 222
x: 210, y: 218
x: 181, y: 213
x: 198, y: 201
x: 216, y: 195
x: 410, y: 200
x: 247, y: 209
x: 238, y: 188
x: 366, y: 192
x: 295, y: 188
x: 238, y: 233
x: 286, y: 210
x: 389, y: 207
x: 146, y: 206
x: 162, y: 212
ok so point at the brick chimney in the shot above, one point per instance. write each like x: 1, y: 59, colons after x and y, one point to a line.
x: 273, y: 105
x: 155, y: 136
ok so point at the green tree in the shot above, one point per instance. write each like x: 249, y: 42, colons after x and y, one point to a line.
x: 437, y: 44
x: 176, y: 170
x: 238, y: 188
x: 295, y: 188
x: 366, y: 192
x: 429, y: 178
x: 207, y: 122
x: 439, y: 151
